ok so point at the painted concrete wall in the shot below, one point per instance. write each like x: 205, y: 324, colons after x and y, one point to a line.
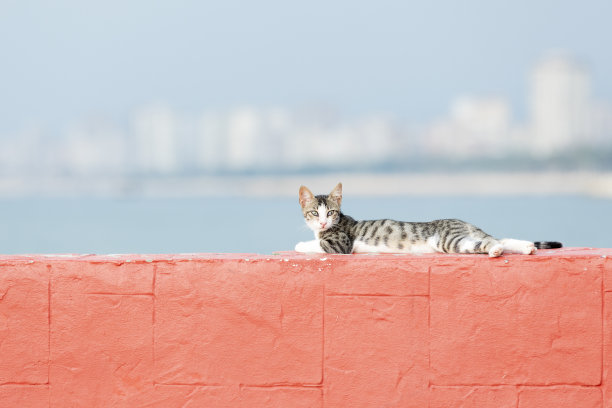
x: 297, y: 331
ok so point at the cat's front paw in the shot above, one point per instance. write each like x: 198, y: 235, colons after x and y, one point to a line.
x: 308, y: 246
x: 301, y: 247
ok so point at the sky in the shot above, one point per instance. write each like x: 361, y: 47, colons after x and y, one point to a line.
x: 65, y: 60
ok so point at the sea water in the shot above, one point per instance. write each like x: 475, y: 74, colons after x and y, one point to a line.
x: 266, y: 225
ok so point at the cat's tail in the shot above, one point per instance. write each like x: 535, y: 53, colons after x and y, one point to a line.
x: 548, y: 244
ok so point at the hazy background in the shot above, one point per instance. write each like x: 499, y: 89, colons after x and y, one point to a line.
x: 65, y: 60
x: 104, y: 103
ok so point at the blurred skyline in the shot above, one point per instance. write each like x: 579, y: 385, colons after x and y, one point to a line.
x: 119, y: 94
x: 567, y: 128
x: 64, y: 61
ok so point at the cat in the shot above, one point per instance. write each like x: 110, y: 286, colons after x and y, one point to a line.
x: 337, y: 233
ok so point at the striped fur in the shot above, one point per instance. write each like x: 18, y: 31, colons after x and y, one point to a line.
x: 341, y: 234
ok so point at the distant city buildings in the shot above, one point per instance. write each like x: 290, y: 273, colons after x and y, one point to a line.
x: 561, y: 105
x: 562, y: 115
x: 476, y: 126
x: 158, y: 140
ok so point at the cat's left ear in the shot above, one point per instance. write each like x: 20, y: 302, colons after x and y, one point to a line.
x: 336, y: 194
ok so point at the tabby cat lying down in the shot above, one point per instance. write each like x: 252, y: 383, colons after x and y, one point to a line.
x: 337, y: 233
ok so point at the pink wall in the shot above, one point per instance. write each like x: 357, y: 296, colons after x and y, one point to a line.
x: 295, y: 331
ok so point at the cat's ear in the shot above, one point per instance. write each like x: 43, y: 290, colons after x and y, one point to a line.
x: 306, y: 196
x: 336, y: 194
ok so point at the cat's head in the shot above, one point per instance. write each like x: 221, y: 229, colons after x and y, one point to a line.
x: 321, y: 212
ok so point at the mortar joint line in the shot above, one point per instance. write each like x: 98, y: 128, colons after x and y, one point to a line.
x: 429, y: 327
x: 603, y: 323
x: 153, y: 316
x: 49, y: 294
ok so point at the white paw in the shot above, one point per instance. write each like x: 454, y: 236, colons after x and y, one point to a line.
x: 308, y: 246
x: 518, y: 246
x: 496, y: 251
x: 301, y: 247
x: 529, y: 249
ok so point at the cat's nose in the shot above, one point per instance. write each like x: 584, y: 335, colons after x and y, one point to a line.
x: 323, y: 224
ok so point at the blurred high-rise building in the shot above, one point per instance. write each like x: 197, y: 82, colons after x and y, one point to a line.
x: 93, y: 147
x: 211, y: 145
x: 155, y: 135
x: 255, y: 138
x: 561, y: 106
x: 476, y: 127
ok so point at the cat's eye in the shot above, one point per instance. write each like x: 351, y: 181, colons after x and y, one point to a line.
x: 314, y: 213
x: 330, y: 213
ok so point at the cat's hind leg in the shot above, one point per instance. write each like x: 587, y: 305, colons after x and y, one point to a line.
x: 518, y: 246
x: 487, y: 245
x: 495, y: 248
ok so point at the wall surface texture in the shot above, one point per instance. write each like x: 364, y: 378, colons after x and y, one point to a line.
x: 299, y: 331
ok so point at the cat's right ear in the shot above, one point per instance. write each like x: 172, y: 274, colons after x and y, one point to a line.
x: 306, y: 196
x: 336, y: 194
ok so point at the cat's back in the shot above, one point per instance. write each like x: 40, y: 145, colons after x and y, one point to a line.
x: 386, y: 235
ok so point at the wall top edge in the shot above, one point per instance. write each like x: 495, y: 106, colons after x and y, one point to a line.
x: 288, y: 256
